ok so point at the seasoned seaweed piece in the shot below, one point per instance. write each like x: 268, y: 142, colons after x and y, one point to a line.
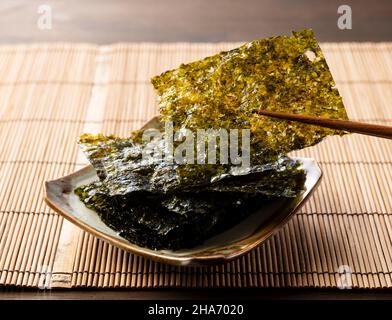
x: 120, y: 164
x: 283, y: 73
x: 169, y: 222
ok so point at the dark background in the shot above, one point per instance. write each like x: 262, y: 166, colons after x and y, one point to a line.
x: 108, y: 21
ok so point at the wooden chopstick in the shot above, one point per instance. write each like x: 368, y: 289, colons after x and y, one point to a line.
x: 346, y: 125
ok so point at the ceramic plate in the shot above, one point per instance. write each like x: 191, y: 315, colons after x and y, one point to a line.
x: 220, y: 248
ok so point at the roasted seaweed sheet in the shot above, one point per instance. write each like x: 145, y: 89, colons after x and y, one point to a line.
x: 120, y: 164
x: 282, y: 73
x: 149, y: 204
x: 169, y: 221
x: 160, y: 204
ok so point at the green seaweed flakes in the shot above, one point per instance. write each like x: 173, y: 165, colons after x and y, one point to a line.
x: 282, y: 73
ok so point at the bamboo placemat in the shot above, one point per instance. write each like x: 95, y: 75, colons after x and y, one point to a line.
x: 50, y: 94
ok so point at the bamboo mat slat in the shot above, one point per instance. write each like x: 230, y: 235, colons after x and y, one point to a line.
x: 51, y: 93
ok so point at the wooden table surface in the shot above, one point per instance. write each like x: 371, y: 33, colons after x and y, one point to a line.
x: 197, y: 294
x: 101, y: 21
x: 112, y: 21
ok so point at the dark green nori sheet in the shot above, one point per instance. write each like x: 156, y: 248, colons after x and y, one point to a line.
x: 120, y: 165
x: 172, y: 221
x: 282, y: 73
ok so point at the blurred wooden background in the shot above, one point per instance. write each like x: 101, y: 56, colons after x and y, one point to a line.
x: 101, y: 21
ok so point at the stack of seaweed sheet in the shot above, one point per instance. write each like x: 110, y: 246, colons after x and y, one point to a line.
x: 160, y: 204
